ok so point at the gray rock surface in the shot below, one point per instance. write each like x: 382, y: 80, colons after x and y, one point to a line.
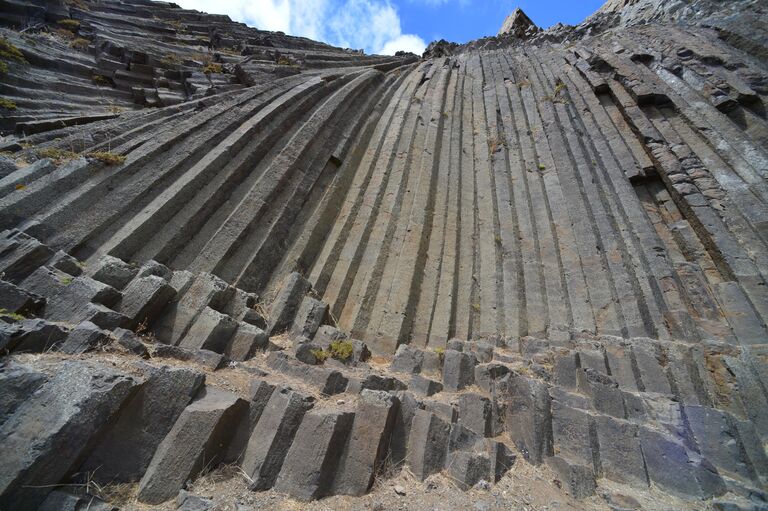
x: 47, y: 435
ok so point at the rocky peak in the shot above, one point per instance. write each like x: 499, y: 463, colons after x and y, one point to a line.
x: 519, y: 25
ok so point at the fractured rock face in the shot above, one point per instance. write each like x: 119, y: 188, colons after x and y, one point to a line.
x: 519, y: 25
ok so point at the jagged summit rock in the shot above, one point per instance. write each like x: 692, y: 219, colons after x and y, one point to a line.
x: 441, y: 48
x: 518, y: 24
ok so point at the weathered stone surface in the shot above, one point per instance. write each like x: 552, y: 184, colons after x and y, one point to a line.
x: 326, y: 334
x: 585, y: 205
x: 246, y: 342
x: 259, y: 394
x: 368, y: 443
x: 518, y: 24
x: 310, y: 315
x: 17, y: 300
x: 445, y: 410
x: 211, y: 331
x: 671, y: 468
x: 31, y: 335
x: 327, y: 381
x: 202, y: 291
x: 188, y: 502
x: 17, y: 383
x: 424, y: 386
x: 198, y: 437
x: 529, y: 418
x: 427, y: 444
x: 502, y: 458
x: 458, y: 370
x: 144, y: 298
x: 113, y: 272
x: 580, y: 479
x: 620, y: 456
x: 476, y: 413
x: 84, y: 337
x: 272, y: 436
x: 287, y: 303
x: 462, y: 438
x: 126, y: 450
x: 407, y: 359
x: 59, y: 500
x: 205, y: 358
x: 130, y: 341
x: 486, y: 375
x: 66, y: 263
x: 401, y: 430
x: 483, y: 352
x: 313, y: 458
x: 468, y: 468
x: 47, y: 435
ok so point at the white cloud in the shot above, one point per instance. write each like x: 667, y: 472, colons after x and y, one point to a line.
x: 405, y: 42
x: 373, y: 25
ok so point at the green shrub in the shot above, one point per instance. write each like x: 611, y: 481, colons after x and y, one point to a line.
x: 80, y: 44
x: 341, y: 350
x: 107, y: 158
x: 320, y: 355
x: 170, y: 59
x: 9, y: 52
x: 5, y: 313
x: 7, y: 104
x: 101, y: 80
x: 56, y: 154
x: 69, y: 24
x: 65, y: 34
x: 213, y: 67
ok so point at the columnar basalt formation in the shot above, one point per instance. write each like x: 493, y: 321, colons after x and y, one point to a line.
x: 548, y: 246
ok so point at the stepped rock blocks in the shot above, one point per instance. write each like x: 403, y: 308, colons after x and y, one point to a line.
x: 126, y: 450
x: 458, y: 370
x: 31, y: 336
x: 84, y: 337
x: 246, y: 341
x: 573, y: 456
x: 529, y: 418
x: 287, y: 303
x: 16, y: 300
x: 272, y: 436
x: 259, y: 395
x: 204, y: 290
x: 307, y: 472
x: 310, y: 315
x: 211, y: 330
x: 198, y: 438
x: 45, y: 437
x: 113, y: 272
x: 427, y: 444
x: 476, y: 413
x: 144, y: 298
x: 368, y: 444
x: 468, y: 468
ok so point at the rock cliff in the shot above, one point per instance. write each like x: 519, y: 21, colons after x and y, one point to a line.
x: 224, y: 247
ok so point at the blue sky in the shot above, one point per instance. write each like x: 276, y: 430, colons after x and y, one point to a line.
x: 385, y: 26
x: 464, y: 20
